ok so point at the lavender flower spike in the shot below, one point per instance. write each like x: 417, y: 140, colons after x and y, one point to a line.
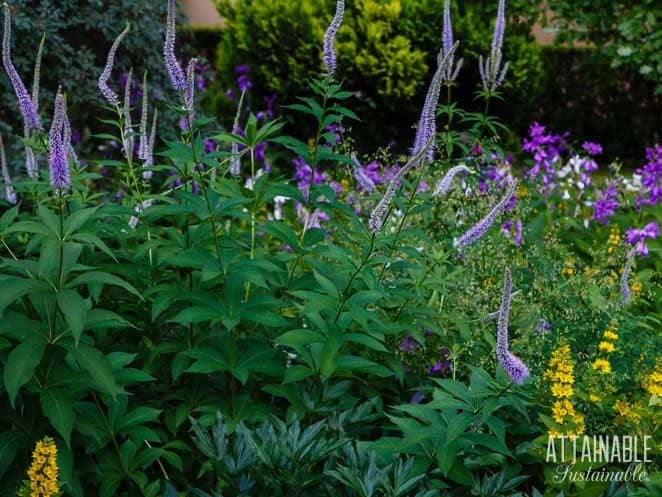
x: 625, y: 279
x: 427, y: 123
x: 444, y: 185
x: 149, y: 148
x: 57, y: 161
x: 378, y: 214
x: 513, y: 365
x: 127, y: 136
x: 31, y: 165
x: 189, y: 91
x: 452, y: 70
x: 478, y: 230
x: 491, y: 72
x: 329, y: 55
x: 25, y: 104
x: 109, y: 94
x: 10, y: 194
x: 172, y: 64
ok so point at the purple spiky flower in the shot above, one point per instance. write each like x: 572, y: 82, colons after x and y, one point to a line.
x: 477, y: 231
x: 444, y: 185
x: 175, y: 72
x: 491, y: 72
x: 107, y: 92
x: 25, y: 103
x: 189, y: 90
x: 452, y: 70
x: 427, y: 123
x: 127, y: 134
x: 516, y: 368
x: 144, y: 114
x: 57, y: 160
x: 149, y: 148
x: 329, y: 51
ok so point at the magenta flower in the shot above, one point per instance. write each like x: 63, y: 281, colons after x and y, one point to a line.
x: 592, y: 148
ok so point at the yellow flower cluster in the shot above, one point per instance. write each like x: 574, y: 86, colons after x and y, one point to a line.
x: 653, y: 381
x: 614, y: 239
x: 636, y: 288
x: 602, y: 365
x: 43, y: 471
x: 608, y: 338
x: 602, y: 382
x: 625, y: 412
x: 560, y: 374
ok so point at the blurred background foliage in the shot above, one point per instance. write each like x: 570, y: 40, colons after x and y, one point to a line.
x: 601, y: 80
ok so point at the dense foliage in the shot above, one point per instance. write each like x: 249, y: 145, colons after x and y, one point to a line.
x: 248, y: 313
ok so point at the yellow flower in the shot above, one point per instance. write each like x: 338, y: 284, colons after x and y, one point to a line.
x: 602, y: 365
x: 636, y: 288
x: 610, y: 335
x: 560, y: 374
x: 594, y: 398
x: 43, y: 471
x: 625, y: 412
x: 345, y: 184
x: 606, y: 347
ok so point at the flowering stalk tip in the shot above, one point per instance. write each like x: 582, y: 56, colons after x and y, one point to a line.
x: 107, y: 92
x: 25, y: 103
x: 516, y: 368
x: 57, y: 160
x: 329, y: 50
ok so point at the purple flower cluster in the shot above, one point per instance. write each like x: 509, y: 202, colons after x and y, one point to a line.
x: 606, y: 204
x: 651, y: 177
x: 514, y: 229
x: 183, y: 83
x: 443, y: 365
x: 592, y: 148
x: 546, y: 148
x: 492, y: 73
x: 409, y: 345
x: 542, y: 326
x: 243, y: 81
x: 10, y: 193
x: 638, y: 237
x: 452, y: 70
x: 107, y: 92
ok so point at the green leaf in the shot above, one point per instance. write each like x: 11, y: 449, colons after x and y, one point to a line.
x: 74, y: 309
x: 9, y: 444
x: 59, y: 409
x: 13, y: 288
x: 98, y: 277
x: 99, y: 367
x: 138, y: 416
x: 296, y: 373
x: 21, y: 364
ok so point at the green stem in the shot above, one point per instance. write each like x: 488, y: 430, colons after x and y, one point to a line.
x: 252, y: 254
x: 348, y: 287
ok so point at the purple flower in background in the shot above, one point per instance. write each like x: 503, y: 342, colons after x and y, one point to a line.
x: 651, y: 177
x: 268, y: 113
x: 476, y: 232
x: 638, y: 237
x: 302, y: 172
x: 450, y: 74
x: 57, y: 161
x: 409, y: 345
x: 417, y: 398
x: 25, y: 103
x: 592, y: 148
x: 509, y: 226
x: 626, y: 294
x: 329, y: 49
x: 542, y: 326
x: 362, y: 177
x: 513, y: 365
x: 335, y: 130
x: 606, y: 204
x: 243, y: 80
x: 443, y: 365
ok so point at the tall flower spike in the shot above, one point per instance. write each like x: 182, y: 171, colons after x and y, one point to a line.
x: 57, y: 160
x: 444, y: 185
x: 491, y: 72
x: 109, y: 94
x: 144, y: 111
x: 427, y: 123
x: 172, y: 64
x: 126, y: 112
x: 378, y: 214
x: 25, y: 104
x: 476, y: 232
x: 31, y: 165
x: 10, y: 194
x: 513, y: 365
x: 452, y: 70
x: 149, y: 149
x: 329, y: 55
x: 189, y: 91
x: 235, y: 160
x: 66, y: 138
